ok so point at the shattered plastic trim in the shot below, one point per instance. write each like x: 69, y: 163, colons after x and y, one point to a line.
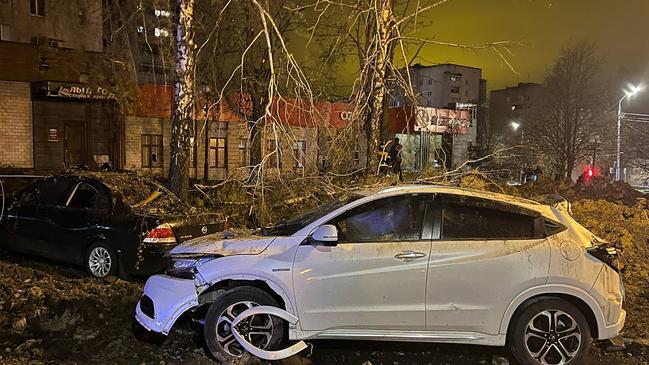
x: 256, y: 351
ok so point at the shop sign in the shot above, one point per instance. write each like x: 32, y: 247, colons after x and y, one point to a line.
x: 78, y: 91
x: 346, y: 115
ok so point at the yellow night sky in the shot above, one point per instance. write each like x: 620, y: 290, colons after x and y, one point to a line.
x: 620, y: 28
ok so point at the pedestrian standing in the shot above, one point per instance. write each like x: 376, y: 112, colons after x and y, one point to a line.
x: 395, y: 157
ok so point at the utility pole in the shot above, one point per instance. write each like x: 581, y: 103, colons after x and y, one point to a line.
x: 627, y: 94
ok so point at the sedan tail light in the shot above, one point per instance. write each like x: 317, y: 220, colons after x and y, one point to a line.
x: 161, y: 234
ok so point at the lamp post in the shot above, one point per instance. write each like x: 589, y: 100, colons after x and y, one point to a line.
x: 516, y: 126
x: 633, y: 90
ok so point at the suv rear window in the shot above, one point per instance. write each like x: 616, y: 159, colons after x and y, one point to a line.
x: 465, y: 222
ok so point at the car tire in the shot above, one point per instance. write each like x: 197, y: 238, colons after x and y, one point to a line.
x: 227, y: 305
x: 100, y: 261
x: 549, y: 330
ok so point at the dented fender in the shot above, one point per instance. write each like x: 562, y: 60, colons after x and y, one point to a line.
x: 256, y: 351
x: 549, y: 290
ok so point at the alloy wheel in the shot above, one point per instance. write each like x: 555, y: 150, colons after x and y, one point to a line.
x: 257, y: 329
x: 99, y: 262
x: 553, y: 337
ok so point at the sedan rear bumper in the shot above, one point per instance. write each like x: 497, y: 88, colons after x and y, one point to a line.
x: 148, y: 259
x: 163, y: 301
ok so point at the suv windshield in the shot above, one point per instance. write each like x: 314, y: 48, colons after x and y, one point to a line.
x: 289, y: 227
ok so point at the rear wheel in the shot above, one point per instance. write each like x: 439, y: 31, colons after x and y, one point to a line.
x: 550, y: 331
x: 101, y: 261
x: 263, y: 331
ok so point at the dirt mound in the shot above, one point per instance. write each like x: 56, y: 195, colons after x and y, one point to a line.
x: 602, y: 188
x: 57, y: 315
x: 142, y: 193
x: 628, y: 228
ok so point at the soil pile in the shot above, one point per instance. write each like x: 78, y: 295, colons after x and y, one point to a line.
x: 628, y: 228
x: 143, y: 193
x: 58, y: 315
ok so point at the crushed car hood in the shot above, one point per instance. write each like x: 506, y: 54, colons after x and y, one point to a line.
x: 214, y: 244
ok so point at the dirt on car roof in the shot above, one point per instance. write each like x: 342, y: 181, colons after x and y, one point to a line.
x: 142, y: 193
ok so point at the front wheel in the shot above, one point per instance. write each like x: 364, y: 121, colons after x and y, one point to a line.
x: 264, y: 331
x: 550, y: 331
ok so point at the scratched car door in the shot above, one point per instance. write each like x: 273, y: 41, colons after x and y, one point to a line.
x: 374, y: 278
x: 485, y: 254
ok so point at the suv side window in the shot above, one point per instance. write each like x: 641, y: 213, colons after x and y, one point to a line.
x: 383, y: 220
x: 471, y: 222
x: 87, y: 196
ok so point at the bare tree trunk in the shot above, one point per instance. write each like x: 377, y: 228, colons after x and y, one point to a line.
x: 385, y: 23
x: 183, y: 112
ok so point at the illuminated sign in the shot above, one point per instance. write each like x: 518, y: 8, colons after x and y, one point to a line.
x: 78, y: 91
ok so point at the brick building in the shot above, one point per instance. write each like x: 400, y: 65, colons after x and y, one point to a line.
x: 54, y: 111
x: 294, y: 140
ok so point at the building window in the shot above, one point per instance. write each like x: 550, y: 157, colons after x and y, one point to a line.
x: 152, y: 150
x: 162, y: 13
x: 160, y: 32
x: 193, y: 151
x: 356, y: 156
x: 430, y: 81
x: 456, y: 77
x: 275, y: 160
x: 455, y: 89
x: 218, y: 155
x: 5, y: 32
x: 37, y: 7
x: 430, y: 93
x: 243, y: 152
x: 299, y: 153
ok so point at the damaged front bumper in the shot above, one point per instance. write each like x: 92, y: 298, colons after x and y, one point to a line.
x: 164, y: 300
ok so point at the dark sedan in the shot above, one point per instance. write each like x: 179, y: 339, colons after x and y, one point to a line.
x: 109, y: 223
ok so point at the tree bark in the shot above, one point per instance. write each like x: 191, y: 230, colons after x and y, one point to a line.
x: 183, y: 110
x: 385, y: 23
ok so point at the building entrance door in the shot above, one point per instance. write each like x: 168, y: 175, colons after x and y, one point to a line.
x: 75, y: 143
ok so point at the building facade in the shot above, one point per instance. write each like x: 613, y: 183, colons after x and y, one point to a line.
x: 294, y: 140
x: 512, y: 105
x: 54, y: 110
x: 455, y: 87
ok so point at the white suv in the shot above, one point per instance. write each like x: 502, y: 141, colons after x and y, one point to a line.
x: 413, y: 263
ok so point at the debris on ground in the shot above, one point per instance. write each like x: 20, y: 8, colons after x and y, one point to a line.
x: 51, y: 314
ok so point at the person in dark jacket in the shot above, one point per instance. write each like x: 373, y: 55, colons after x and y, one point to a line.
x: 395, y: 157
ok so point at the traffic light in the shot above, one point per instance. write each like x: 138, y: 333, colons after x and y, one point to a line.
x: 590, y: 172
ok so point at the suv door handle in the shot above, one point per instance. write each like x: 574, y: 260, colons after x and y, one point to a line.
x: 409, y: 255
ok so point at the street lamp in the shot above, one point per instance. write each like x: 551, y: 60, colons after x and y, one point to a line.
x: 515, y: 125
x: 633, y: 90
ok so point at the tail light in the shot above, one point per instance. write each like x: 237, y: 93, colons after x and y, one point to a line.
x: 161, y: 234
x: 607, y: 254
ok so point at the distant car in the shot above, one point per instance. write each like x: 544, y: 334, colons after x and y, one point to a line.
x: 413, y: 263
x: 79, y: 219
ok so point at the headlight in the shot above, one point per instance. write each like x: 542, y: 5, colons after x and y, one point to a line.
x: 186, y: 268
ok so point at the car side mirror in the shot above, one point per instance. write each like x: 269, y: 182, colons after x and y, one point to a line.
x: 326, y: 234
